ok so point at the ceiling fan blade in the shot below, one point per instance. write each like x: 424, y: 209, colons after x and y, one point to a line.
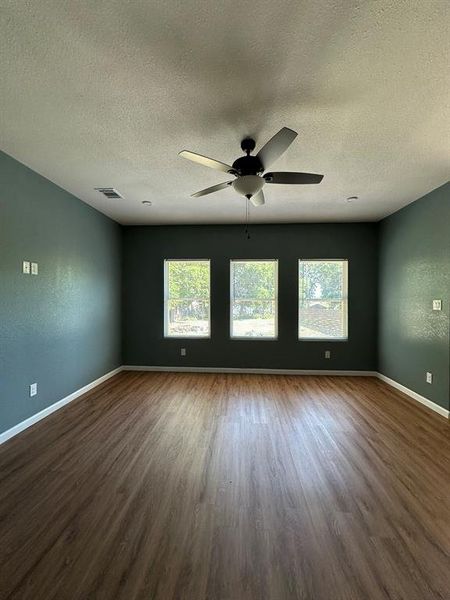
x: 258, y: 199
x: 205, y: 161
x: 213, y: 188
x: 276, y: 146
x: 292, y: 178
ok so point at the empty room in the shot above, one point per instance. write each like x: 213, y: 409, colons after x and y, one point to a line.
x: 225, y: 300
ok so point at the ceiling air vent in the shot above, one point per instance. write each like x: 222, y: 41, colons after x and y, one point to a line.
x: 109, y: 192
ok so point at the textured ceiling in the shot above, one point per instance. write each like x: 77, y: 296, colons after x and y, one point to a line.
x: 106, y: 93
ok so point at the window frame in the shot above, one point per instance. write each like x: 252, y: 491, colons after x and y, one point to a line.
x: 345, y: 299
x: 273, y: 338
x: 166, y: 299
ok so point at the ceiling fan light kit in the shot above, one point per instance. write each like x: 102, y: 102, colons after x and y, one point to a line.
x: 248, y: 185
x: 249, y: 169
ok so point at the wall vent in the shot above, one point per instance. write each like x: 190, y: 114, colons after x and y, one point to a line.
x: 109, y: 192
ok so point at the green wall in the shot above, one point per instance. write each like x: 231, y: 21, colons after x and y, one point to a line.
x: 414, y: 270
x: 61, y: 328
x: 145, y: 249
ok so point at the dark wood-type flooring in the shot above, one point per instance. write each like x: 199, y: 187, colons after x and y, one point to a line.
x: 162, y: 486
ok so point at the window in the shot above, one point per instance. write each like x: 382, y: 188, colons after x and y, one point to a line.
x: 322, y: 311
x: 186, y: 298
x: 254, y: 298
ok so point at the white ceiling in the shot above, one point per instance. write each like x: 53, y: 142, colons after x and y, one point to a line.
x: 107, y: 93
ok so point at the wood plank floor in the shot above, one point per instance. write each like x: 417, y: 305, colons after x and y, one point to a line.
x: 228, y: 487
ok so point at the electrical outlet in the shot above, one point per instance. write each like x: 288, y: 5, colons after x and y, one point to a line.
x: 26, y: 267
x: 437, y: 304
x: 327, y: 353
x: 34, y: 268
x: 183, y: 352
x: 33, y: 389
x: 429, y: 377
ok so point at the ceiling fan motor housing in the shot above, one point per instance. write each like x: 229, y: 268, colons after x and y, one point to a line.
x: 248, y: 165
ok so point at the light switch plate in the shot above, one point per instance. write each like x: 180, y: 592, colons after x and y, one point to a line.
x: 429, y: 377
x: 183, y: 351
x: 327, y: 353
x: 33, y: 389
x: 34, y: 268
x: 26, y: 267
x: 437, y: 304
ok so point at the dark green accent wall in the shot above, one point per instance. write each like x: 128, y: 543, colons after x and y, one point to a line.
x: 61, y: 328
x: 414, y: 270
x: 145, y: 249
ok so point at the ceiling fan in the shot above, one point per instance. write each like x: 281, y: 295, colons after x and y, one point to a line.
x: 249, y: 170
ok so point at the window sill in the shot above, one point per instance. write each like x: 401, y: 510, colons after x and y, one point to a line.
x: 254, y: 339
x: 302, y: 339
x: 187, y: 337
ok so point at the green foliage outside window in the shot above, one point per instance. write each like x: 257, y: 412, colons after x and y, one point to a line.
x: 188, y: 279
x: 254, y: 280
x: 321, y: 280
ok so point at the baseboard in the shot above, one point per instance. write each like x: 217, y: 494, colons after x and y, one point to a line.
x: 333, y: 373
x: 414, y: 395
x: 9, y: 433
x: 251, y: 370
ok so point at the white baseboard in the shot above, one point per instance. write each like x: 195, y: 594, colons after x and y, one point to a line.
x: 9, y: 433
x: 6, y: 435
x: 391, y: 382
x: 250, y: 370
x: 414, y: 395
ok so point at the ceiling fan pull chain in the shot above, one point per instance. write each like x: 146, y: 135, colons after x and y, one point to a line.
x: 247, y: 217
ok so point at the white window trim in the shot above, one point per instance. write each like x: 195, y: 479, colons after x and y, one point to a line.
x: 166, y: 300
x: 273, y: 338
x: 345, y: 300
